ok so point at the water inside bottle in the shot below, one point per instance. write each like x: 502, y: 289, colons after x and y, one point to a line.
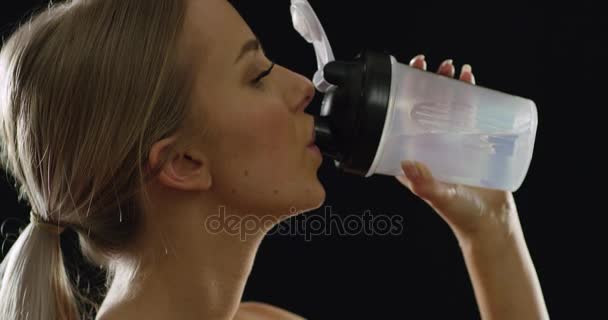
x: 468, y: 158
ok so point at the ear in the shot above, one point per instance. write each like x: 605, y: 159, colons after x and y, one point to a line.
x: 186, y: 169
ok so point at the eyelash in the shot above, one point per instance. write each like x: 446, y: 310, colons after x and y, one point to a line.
x: 257, y: 81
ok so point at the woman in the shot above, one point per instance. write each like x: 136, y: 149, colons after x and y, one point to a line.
x: 133, y: 122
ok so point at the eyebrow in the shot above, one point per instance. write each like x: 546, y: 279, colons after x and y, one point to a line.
x: 250, y: 45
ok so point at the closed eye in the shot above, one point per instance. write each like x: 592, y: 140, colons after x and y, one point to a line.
x: 263, y: 74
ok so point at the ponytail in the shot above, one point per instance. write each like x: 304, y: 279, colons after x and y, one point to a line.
x: 34, y: 282
x: 140, y: 93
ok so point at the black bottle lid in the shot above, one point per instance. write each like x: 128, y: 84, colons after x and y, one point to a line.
x: 350, y: 132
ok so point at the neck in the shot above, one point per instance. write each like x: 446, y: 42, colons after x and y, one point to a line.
x: 187, y: 271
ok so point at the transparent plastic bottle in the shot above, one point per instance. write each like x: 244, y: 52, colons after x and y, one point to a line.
x: 464, y: 133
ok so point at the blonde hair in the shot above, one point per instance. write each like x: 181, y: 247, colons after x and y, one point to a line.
x: 86, y: 88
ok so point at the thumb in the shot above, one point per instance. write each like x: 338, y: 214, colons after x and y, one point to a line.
x: 420, y: 181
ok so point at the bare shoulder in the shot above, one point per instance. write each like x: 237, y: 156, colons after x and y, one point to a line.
x: 252, y: 310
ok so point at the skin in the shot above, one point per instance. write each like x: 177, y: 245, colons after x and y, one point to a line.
x: 253, y: 162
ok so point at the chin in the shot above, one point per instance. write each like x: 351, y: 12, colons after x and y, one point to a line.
x: 316, y: 197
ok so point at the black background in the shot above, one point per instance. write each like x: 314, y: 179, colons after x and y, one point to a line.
x: 554, y: 55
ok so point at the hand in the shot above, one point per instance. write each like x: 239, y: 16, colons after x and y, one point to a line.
x: 467, y: 210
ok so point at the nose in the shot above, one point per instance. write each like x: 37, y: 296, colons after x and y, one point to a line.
x: 301, y: 93
x: 307, y: 93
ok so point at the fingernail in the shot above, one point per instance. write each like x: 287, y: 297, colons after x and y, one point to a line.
x: 418, y: 57
x: 410, y: 169
x: 446, y: 62
x: 467, y: 68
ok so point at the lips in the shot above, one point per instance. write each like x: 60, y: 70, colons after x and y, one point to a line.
x: 311, y: 142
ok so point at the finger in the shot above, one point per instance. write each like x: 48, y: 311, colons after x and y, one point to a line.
x: 404, y: 181
x: 447, y: 68
x: 466, y: 74
x: 418, y: 62
x: 421, y: 182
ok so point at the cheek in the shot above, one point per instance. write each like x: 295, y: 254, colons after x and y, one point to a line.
x: 269, y: 139
x: 258, y: 152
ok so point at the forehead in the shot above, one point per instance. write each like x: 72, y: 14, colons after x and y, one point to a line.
x: 215, y: 28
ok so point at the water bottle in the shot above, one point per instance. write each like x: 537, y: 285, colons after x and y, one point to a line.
x: 377, y: 112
